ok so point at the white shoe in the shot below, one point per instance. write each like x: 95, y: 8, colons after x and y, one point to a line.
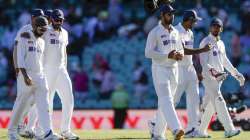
x: 151, y: 126
x: 26, y: 133
x: 178, y: 134
x: 13, y: 135
x: 68, y: 135
x: 189, y: 133
x: 197, y: 134
x: 50, y: 136
x: 229, y: 134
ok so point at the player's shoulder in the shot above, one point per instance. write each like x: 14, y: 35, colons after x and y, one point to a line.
x: 175, y: 30
x: 64, y: 30
x: 178, y: 27
x: 158, y: 29
x: 205, y: 39
x: 25, y: 35
x: 25, y: 28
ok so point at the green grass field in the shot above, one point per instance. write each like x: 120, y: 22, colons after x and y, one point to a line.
x: 133, y: 135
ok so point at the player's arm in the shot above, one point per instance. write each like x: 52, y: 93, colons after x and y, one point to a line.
x: 65, y: 51
x: 65, y: 54
x: 151, y: 48
x: 14, y: 56
x: 197, y: 67
x: 21, y: 53
x: 188, y: 51
x: 229, y: 67
x: 204, y: 57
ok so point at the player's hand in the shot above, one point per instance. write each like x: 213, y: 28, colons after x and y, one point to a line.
x: 175, y: 55
x: 17, y: 71
x: 200, y: 77
x: 172, y: 54
x: 219, y: 76
x: 28, y: 81
x: 208, y: 47
x: 240, y: 78
x: 178, y: 56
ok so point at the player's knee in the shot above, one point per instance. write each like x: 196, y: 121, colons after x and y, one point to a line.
x: 165, y: 100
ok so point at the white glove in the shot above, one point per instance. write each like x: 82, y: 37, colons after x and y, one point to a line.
x: 219, y: 76
x: 239, y: 77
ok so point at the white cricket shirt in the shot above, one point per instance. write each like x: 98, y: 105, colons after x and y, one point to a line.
x: 160, y: 43
x: 55, y: 47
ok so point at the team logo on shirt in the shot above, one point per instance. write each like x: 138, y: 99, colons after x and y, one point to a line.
x: 162, y: 36
x: 34, y: 49
x: 54, y: 41
x: 166, y: 42
x: 188, y: 42
x: 30, y: 42
x: 52, y: 34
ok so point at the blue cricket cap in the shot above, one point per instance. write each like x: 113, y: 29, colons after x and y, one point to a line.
x: 37, y: 12
x: 48, y: 13
x: 57, y: 14
x: 191, y: 15
x: 216, y: 21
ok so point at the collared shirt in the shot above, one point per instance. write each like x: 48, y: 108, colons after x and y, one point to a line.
x: 160, y: 43
x: 55, y: 48
x: 30, y: 53
x: 187, y: 40
x: 215, y: 58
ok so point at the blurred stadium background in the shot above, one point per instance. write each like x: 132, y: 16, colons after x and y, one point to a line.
x: 106, y: 49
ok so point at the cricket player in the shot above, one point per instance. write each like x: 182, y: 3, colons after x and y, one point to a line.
x: 213, y: 64
x: 31, y: 81
x: 55, y: 61
x: 185, y: 67
x: 28, y: 131
x: 164, y: 48
x: 190, y: 83
x: 55, y: 66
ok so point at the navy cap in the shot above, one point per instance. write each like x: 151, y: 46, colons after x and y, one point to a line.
x: 166, y: 8
x: 41, y: 21
x: 216, y: 21
x: 48, y: 13
x: 191, y: 15
x: 57, y: 14
x: 37, y: 12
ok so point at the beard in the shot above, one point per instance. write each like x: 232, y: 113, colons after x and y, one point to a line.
x: 56, y: 26
x: 215, y: 34
x: 168, y: 22
x: 37, y: 34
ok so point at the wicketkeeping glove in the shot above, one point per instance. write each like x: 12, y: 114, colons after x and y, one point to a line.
x: 239, y: 77
x: 219, y: 76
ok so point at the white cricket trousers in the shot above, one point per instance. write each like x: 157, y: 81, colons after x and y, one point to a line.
x: 59, y: 80
x: 165, y: 82
x: 214, y: 102
x: 188, y: 83
x: 27, y: 95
